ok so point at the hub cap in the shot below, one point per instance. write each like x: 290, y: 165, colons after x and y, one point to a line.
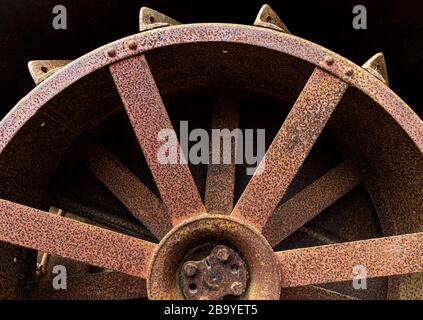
x: 221, y: 273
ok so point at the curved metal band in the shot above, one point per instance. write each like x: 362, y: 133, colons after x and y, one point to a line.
x: 349, y: 72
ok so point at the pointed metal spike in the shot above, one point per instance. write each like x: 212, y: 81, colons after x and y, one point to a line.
x: 42, y: 69
x: 267, y: 18
x: 376, y: 65
x: 151, y: 19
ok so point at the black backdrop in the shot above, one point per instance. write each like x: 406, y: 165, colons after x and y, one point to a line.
x: 394, y: 27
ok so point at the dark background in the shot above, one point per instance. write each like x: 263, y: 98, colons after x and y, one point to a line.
x: 394, y: 28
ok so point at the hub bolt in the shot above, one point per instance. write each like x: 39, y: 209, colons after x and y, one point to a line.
x: 222, y: 254
x: 190, y: 269
x: 111, y: 52
x: 329, y: 60
x: 237, y: 288
x: 132, y: 45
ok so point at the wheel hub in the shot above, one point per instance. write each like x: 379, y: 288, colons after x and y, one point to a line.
x: 343, y: 170
x: 223, y: 272
x: 234, y: 267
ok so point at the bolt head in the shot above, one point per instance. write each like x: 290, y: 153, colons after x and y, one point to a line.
x: 329, y: 60
x: 190, y: 269
x: 132, y: 45
x: 237, y: 288
x: 40, y: 271
x: 222, y: 254
x: 111, y: 52
x: 349, y: 72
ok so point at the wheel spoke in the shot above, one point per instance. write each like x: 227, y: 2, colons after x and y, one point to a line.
x: 148, y: 116
x: 312, y: 293
x: 220, y: 183
x: 290, y: 147
x: 308, y: 203
x: 387, y: 256
x: 93, y: 286
x: 139, y: 200
x: 68, y: 238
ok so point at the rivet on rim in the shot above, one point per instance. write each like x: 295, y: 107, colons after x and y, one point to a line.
x: 349, y: 72
x: 111, y: 52
x: 329, y: 60
x: 132, y: 45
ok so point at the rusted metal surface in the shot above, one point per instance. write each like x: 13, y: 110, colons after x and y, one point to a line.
x: 184, y: 34
x: 151, y: 19
x: 376, y: 65
x: 105, y: 217
x: 139, y: 200
x: 290, y: 147
x: 251, y: 246
x: 382, y: 257
x: 386, y: 256
x: 61, y: 236
x: 267, y: 18
x: 308, y: 203
x: 312, y: 293
x: 42, y: 69
x: 93, y: 286
x: 220, y: 183
x: 42, y: 266
x: 223, y: 272
x: 148, y: 116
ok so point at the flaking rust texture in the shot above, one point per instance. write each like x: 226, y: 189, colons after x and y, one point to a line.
x: 185, y: 34
x: 46, y: 232
x: 148, y: 116
x: 290, y: 147
x: 242, y: 262
x: 220, y: 184
x: 139, y: 200
x: 222, y: 273
x: 311, y: 201
x: 381, y: 257
x: 250, y: 245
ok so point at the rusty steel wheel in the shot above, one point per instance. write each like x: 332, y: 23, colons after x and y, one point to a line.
x: 342, y: 185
